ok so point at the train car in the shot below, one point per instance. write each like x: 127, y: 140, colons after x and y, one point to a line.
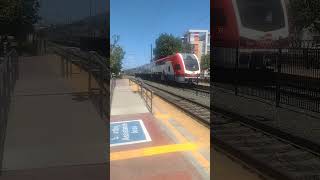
x: 253, y: 27
x: 180, y: 67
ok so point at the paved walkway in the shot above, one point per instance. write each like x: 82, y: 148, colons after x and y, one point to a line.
x: 125, y: 101
x: 172, y: 151
x: 54, y: 131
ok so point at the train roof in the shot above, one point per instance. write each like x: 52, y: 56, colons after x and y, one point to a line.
x: 162, y: 59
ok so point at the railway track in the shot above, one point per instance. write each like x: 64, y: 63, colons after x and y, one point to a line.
x: 265, y: 150
x: 198, y: 90
x: 268, y: 153
x: 198, y: 110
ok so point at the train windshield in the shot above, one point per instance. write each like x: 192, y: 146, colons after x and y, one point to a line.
x: 261, y: 15
x: 190, y: 62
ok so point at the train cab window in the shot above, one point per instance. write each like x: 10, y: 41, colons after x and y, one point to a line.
x: 219, y: 18
x: 190, y: 62
x: 169, y: 69
x: 262, y: 15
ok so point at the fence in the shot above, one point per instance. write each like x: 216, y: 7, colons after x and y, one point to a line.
x: 145, y: 92
x: 284, y: 75
x: 8, y: 76
x: 112, y: 86
x: 97, y: 68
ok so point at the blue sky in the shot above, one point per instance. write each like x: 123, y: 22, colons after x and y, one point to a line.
x: 140, y: 22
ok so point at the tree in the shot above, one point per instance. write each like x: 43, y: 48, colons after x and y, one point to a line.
x: 17, y: 17
x: 186, y: 48
x: 167, y: 45
x: 116, y: 55
x: 205, y: 61
x: 305, y: 14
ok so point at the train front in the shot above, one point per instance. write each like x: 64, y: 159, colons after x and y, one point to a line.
x: 263, y: 28
x: 191, y: 68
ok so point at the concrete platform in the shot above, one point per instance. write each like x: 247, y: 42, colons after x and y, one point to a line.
x: 173, y: 151
x: 51, y: 129
x: 144, y: 167
x: 88, y: 172
x: 125, y: 101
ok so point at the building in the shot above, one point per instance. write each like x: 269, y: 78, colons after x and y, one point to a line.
x: 199, y: 40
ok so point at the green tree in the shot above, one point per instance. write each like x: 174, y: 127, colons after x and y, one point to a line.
x: 116, y: 55
x: 205, y: 61
x: 17, y: 17
x: 186, y: 48
x: 167, y: 45
x: 305, y: 14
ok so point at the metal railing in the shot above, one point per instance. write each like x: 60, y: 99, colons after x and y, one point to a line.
x: 284, y: 75
x: 9, y: 69
x: 112, y: 86
x: 145, y: 92
x: 96, y: 67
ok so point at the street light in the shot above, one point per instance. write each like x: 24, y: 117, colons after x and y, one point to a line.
x: 90, y: 11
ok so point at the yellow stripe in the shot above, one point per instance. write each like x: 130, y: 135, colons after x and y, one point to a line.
x: 152, y: 151
x: 173, y: 130
x: 198, y: 156
x: 203, y: 161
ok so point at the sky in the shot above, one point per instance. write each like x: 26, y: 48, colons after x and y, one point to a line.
x: 140, y: 22
x: 57, y: 11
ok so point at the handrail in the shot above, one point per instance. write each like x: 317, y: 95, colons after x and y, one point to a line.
x: 145, y: 92
x: 8, y: 75
x: 94, y: 64
x: 112, y: 86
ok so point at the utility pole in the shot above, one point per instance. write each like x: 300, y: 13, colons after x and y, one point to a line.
x: 151, y: 54
x: 90, y: 12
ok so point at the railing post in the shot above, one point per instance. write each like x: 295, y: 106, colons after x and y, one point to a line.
x: 89, y: 81
x: 236, y: 71
x: 151, y: 100
x: 278, y: 80
x: 62, y: 66
x: 17, y: 65
x: 141, y: 88
x: 100, y: 91
x: 67, y: 67
x: 70, y: 67
x: 45, y: 46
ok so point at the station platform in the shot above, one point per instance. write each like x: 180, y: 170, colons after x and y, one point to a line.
x: 54, y: 130
x: 165, y: 144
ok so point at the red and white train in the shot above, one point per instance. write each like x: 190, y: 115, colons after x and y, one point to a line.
x: 180, y: 67
x: 255, y: 27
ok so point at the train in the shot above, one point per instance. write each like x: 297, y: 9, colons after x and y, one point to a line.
x: 179, y: 67
x: 250, y: 30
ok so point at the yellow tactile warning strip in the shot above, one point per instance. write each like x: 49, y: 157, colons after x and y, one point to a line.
x: 198, y: 156
x: 152, y: 151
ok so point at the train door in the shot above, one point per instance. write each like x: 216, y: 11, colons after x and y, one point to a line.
x: 168, y: 71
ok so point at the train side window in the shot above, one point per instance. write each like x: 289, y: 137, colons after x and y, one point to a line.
x: 177, y: 67
x: 169, y: 68
x: 219, y: 18
x: 160, y: 63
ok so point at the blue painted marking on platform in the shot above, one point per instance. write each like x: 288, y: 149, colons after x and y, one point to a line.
x: 128, y: 132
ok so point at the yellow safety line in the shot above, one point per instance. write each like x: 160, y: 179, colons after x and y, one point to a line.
x: 198, y: 156
x: 152, y: 151
x: 164, y: 119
